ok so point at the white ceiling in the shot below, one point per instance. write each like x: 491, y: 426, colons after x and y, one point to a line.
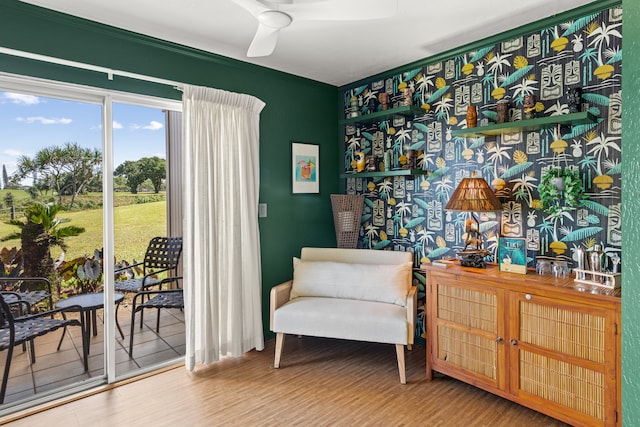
x: 334, y: 52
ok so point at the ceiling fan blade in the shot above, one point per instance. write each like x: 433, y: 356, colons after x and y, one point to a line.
x: 254, y: 7
x: 264, y: 42
x: 341, y: 10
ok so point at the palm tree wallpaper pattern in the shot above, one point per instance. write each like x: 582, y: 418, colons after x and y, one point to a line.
x: 407, y: 213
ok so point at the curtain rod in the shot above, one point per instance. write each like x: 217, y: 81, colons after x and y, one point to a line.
x: 108, y: 71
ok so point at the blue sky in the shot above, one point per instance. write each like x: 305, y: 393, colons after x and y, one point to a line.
x: 29, y: 123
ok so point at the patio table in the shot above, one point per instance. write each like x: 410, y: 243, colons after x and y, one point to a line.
x: 89, y: 304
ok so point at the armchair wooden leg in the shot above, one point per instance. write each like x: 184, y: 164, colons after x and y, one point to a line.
x: 401, y: 367
x: 279, y: 345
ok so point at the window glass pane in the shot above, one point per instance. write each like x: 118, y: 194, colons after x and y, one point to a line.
x: 140, y: 206
x: 51, y: 183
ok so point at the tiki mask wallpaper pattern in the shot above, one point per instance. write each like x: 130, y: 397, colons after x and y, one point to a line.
x: 407, y: 213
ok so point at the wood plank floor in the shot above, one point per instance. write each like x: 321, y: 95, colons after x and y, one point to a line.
x: 321, y: 382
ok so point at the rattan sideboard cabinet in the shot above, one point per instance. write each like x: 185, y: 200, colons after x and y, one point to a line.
x: 537, y: 340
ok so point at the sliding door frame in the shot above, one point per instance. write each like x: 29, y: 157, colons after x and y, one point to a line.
x: 105, y: 98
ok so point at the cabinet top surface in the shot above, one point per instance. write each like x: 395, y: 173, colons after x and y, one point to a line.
x: 527, y: 282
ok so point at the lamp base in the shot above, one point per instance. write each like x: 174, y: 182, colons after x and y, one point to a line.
x: 473, y: 258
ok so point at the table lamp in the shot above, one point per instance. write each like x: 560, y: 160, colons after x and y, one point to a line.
x: 473, y: 195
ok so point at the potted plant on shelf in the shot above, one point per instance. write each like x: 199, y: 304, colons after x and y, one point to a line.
x: 561, y: 190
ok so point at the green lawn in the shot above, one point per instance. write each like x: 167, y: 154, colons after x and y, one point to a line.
x: 134, y: 226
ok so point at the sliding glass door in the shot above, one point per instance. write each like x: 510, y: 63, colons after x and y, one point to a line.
x: 140, y: 215
x: 90, y: 167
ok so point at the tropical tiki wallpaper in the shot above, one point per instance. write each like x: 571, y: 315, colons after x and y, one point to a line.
x: 572, y: 67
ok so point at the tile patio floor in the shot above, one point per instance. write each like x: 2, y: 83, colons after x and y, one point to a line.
x: 54, y: 369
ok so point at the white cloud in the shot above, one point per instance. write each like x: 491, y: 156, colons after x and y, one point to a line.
x: 12, y: 153
x: 44, y: 120
x: 20, y: 99
x: 153, y: 125
x: 116, y: 125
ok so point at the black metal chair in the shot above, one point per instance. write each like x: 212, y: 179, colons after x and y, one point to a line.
x: 23, y: 329
x: 162, y: 255
x: 20, y: 288
x: 158, y: 299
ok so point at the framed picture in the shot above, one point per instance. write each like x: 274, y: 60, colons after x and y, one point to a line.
x: 305, y: 168
x: 512, y: 254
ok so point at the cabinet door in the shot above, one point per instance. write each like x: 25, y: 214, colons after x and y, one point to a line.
x: 562, y: 358
x: 466, y: 334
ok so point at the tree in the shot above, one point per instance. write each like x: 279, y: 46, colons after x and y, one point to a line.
x: 131, y: 170
x: 154, y: 169
x: 67, y: 169
x: 136, y: 172
x: 38, y: 234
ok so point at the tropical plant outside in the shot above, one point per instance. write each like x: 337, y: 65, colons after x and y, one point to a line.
x: 79, y: 269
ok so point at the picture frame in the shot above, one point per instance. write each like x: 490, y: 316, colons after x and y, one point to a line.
x: 512, y: 254
x: 305, y: 168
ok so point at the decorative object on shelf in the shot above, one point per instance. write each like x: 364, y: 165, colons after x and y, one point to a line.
x: 372, y: 104
x: 574, y: 99
x: 411, y: 159
x: 529, y: 104
x: 305, y: 168
x: 472, y: 116
x: 347, y: 214
x: 387, y: 160
x: 512, y: 254
x: 502, y: 110
x: 384, y: 101
x: 359, y: 159
x: 560, y: 190
x: 371, y: 164
x: 407, y: 96
x: 353, y: 111
x: 473, y: 195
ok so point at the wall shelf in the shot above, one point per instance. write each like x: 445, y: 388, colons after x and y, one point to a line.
x: 573, y: 119
x: 407, y: 111
x: 399, y: 172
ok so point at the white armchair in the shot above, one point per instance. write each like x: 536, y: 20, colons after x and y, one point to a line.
x: 355, y: 294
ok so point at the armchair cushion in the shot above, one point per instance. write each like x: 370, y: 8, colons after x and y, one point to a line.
x: 385, y: 283
x: 345, y: 319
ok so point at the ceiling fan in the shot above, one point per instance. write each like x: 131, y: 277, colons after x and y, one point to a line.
x: 274, y: 15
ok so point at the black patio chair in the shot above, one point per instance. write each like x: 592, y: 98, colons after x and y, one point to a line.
x: 23, y: 289
x: 162, y: 255
x: 16, y: 330
x: 158, y: 299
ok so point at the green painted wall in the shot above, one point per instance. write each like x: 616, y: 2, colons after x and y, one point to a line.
x: 296, y: 221
x: 630, y: 209
x: 297, y: 109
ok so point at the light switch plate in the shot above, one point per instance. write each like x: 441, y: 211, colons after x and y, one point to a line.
x: 262, y: 210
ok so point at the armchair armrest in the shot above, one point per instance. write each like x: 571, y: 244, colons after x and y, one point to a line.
x: 279, y: 296
x: 412, y: 312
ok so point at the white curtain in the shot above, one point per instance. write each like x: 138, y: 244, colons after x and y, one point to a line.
x: 222, y: 271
